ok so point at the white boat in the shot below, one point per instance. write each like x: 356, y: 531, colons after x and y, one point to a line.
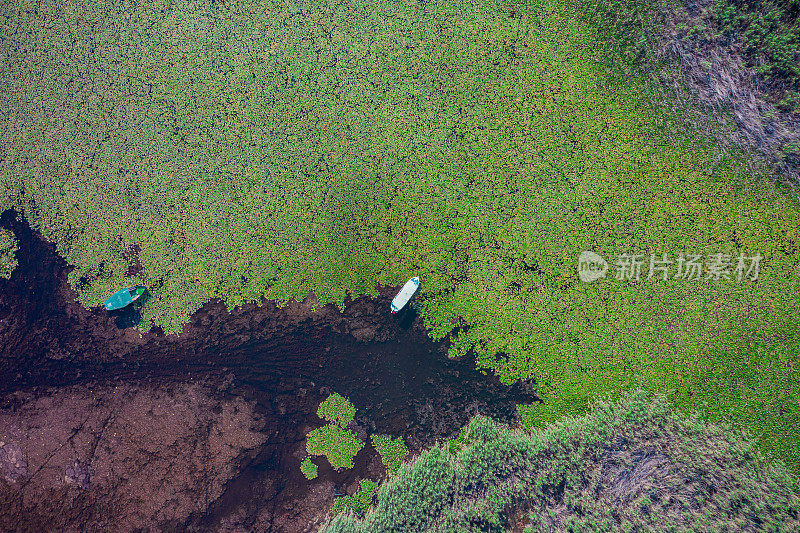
x: 405, y: 294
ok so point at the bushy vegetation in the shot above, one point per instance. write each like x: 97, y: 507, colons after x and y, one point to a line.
x: 337, y: 444
x: 337, y: 409
x: 274, y: 149
x: 392, y: 451
x: 360, y: 502
x: 8, y: 249
x: 769, y: 30
x: 632, y: 464
x: 308, y: 468
x: 333, y: 440
x: 340, y: 444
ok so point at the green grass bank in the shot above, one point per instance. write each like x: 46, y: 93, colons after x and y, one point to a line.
x: 629, y: 465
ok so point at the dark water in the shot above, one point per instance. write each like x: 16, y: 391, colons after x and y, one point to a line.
x: 400, y: 381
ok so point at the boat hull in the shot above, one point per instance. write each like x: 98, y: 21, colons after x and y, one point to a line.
x: 124, y: 297
x: 405, y: 294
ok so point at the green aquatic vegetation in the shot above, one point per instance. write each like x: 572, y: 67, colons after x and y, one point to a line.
x: 337, y: 409
x: 391, y: 451
x: 334, y: 440
x: 337, y: 444
x: 8, y: 249
x: 273, y: 150
x: 633, y: 463
x: 360, y: 502
x: 308, y: 468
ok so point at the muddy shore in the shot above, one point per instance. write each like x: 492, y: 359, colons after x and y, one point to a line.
x: 102, y: 426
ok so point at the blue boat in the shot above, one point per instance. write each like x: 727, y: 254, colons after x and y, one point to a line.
x: 124, y: 297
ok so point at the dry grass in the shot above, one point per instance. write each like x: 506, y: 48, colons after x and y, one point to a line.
x: 642, y: 479
x: 711, y: 69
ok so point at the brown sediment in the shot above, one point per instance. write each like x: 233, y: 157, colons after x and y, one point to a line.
x: 205, y: 431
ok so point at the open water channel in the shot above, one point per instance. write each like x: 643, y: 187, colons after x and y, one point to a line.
x: 78, y: 393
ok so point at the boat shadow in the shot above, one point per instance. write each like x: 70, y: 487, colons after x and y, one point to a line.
x: 406, y: 316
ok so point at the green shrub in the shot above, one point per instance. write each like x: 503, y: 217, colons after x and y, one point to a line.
x: 766, y: 28
x: 308, y: 468
x: 337, y: 409
x: 391, y: 451
x: 791, y: 148
x: 790, y: 102
x: 567, y: 466
x: 360, y: 502
x: 8, y: 249
x: 337, y: 444
x: 334, y: 440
